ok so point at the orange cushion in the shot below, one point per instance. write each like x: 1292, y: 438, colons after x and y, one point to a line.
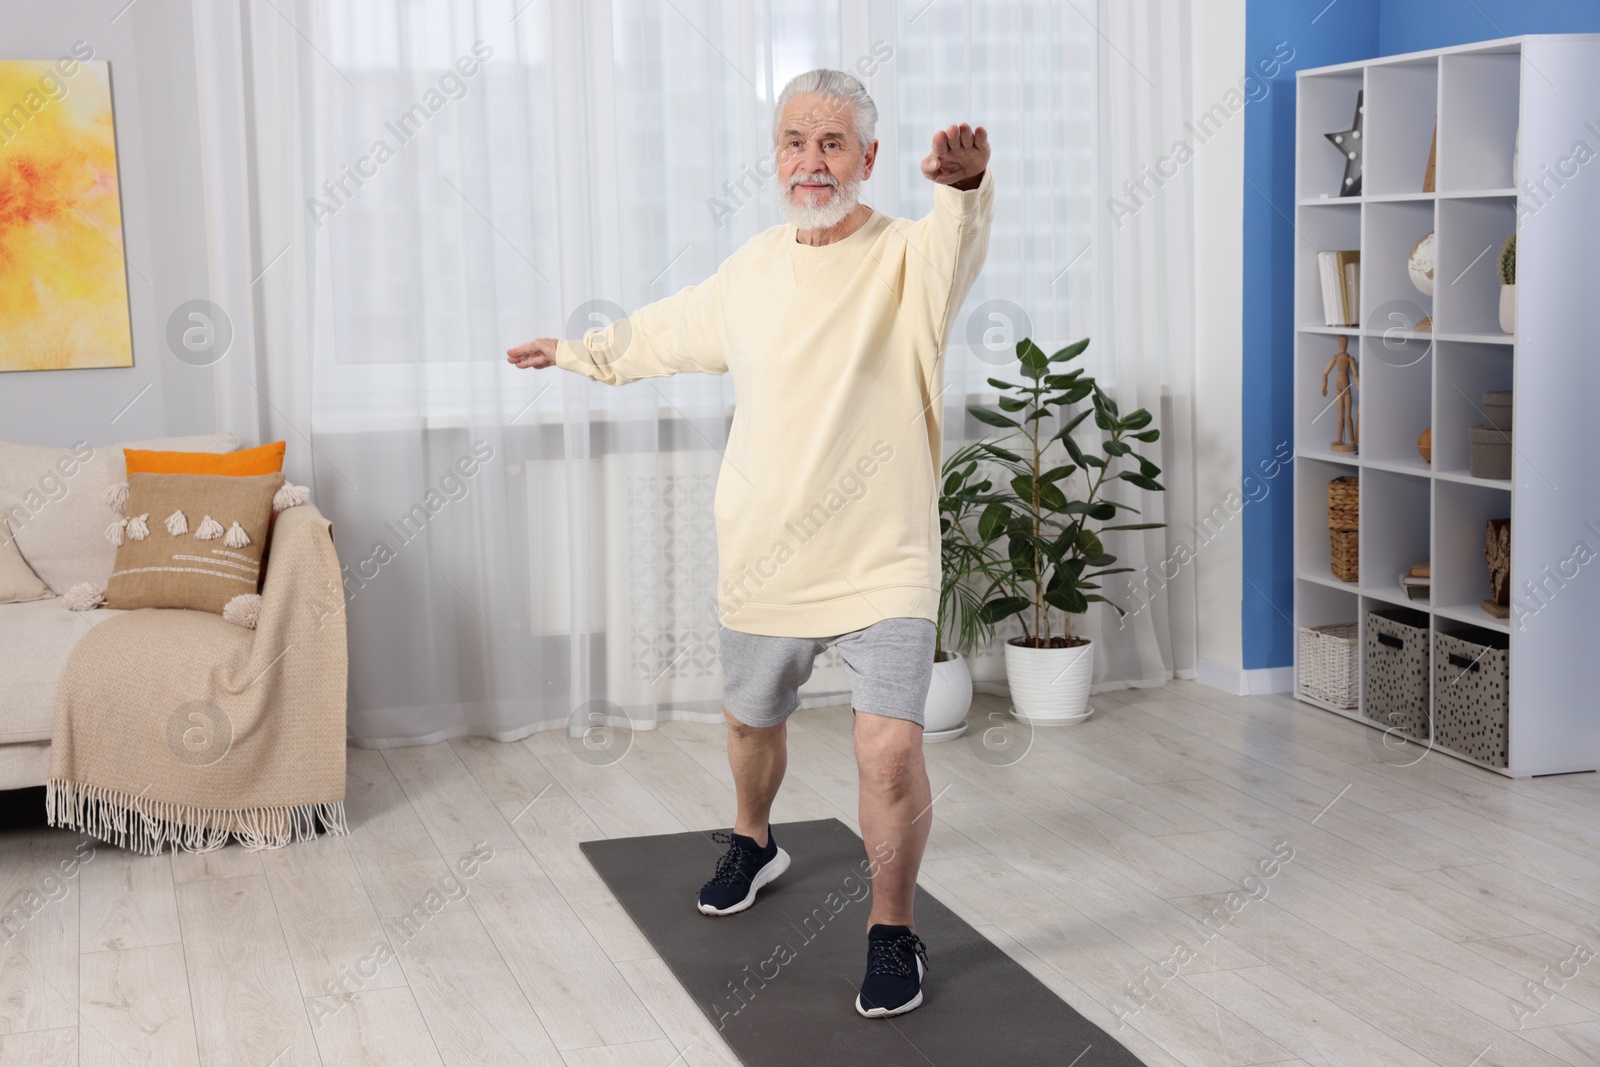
x: 245, y: 463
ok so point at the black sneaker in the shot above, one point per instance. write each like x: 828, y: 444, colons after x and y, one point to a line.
x: 741, y: 871
x: 896, y: 960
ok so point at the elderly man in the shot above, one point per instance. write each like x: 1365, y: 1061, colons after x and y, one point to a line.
x: 833, y: 326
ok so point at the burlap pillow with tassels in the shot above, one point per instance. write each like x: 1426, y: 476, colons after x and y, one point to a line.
x: 190, y: 540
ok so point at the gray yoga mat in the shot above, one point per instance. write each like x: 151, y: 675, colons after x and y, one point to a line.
x: 780, y: 978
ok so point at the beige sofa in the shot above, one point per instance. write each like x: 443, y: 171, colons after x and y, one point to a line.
x: 52, y: 503
x: 36, y: 637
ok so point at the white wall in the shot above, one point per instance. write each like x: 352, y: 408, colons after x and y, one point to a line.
x: 1219, y: 62
x: 150, y: 46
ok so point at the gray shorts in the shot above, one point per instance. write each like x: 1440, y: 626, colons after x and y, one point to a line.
x: 889, y: 665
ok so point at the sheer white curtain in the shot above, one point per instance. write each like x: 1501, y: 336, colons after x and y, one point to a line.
x: 1145, y: 241
x: 398, y: 192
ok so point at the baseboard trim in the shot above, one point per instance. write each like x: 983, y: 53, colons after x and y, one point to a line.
x: 1241, y: 683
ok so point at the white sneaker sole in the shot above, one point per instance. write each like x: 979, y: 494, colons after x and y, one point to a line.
x: 775, y: 866
x: 884, y: 1013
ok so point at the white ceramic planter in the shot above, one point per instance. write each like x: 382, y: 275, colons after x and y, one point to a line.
x: 1050, y: 686
x: 949, y: 699
x: 1508, y: 308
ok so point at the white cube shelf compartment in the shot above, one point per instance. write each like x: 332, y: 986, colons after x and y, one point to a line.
x: 1477, y: 97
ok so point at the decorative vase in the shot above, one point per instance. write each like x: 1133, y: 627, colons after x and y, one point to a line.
x: 1508, y: 308
x: 1050, y: 686
x: 1425, y: 445
x: 944, y: 715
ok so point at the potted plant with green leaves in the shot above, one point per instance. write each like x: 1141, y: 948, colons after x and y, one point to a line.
x: 1508, y: 285
x: 962, y: 626
x: 1054, y: 558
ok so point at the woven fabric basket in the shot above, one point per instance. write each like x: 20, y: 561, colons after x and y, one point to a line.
x: 1329, y: 664
x: 1344, y: 521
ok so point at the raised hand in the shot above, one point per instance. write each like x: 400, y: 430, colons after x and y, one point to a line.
x: 540, y: 352
x: 960, y: 156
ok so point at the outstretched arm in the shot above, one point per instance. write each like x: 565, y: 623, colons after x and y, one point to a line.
x: 947, y: 246
x: 682, y: 332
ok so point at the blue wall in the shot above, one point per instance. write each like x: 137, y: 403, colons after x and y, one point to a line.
x: 1345, y: 31
x: 1321, y: 34
x: 1415, y: 25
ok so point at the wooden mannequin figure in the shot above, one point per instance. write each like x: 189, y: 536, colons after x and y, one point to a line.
x: 1347, y: 368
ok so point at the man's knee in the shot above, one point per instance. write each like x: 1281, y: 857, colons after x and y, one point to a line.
x: 740, y: 730
x: 889, y: 756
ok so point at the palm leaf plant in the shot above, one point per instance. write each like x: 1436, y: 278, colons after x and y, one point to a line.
x: 963, y: 553
x: 1053, y: 556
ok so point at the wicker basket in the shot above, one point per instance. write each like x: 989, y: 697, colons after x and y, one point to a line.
x: 1342, y: 555
x: 1344, y: 521
x: 1329, y: 664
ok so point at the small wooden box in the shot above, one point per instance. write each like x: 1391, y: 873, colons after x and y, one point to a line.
x: 1490, y: 452
x: 1497, y: 410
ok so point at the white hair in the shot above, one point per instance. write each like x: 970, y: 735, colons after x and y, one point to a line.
x: 834, y: 85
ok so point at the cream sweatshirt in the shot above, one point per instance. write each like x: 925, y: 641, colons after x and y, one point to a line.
x: 827, y: 502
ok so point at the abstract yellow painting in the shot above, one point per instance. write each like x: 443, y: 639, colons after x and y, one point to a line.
x: 63, y: 283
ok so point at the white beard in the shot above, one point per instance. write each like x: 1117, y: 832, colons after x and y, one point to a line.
x: 846, y: 196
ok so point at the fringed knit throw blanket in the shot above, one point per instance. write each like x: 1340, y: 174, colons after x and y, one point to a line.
x: 177, y: 728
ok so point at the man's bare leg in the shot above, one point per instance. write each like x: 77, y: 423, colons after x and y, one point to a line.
x: 896, y: 812
x: 758, y: 755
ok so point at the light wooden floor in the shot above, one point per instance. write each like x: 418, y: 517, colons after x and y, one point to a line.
x: 1420, y: 899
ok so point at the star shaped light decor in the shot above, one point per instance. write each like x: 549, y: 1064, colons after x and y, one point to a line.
x: 1348, y: 142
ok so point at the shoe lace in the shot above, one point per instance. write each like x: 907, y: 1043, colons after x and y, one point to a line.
x: 893, y: 955
x: 729, y: 867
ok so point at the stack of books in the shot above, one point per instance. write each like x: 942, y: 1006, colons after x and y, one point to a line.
x: 1415, y: 581
x: 1341, y: 287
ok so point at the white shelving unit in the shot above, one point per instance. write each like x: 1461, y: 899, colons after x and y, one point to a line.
x: 1480, y: 95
